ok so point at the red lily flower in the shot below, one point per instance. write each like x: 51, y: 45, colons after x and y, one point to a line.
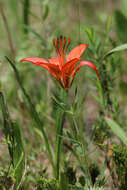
x: 63, y: 68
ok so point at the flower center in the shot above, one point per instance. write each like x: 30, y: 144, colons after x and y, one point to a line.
x: 61, y: 45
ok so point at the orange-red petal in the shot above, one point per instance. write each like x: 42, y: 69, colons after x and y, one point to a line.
x: 34, y: 60
x: 70, y: 65
x: 76, y: 52
x: 41, y: 62
x: 52, y: 68
x: 67, y: 71
x: 54, y: 60
x: 85, y: 63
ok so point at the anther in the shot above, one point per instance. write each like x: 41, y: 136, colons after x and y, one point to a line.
x: 61, y: 37
x: 57, y: 42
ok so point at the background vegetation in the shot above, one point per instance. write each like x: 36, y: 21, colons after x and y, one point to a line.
x: 27, y: 103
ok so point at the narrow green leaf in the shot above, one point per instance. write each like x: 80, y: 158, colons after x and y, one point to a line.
x: 87, y: 178
x: 46, y: 12
x: 117, y: 130
x: 58, y: 103
x: 19, y: 156
x: 117, y: 49
x: 101, y: 180
x: 7, y: 126
x: 96, y: 98
x: 91, y: 34
x: 109, y: 22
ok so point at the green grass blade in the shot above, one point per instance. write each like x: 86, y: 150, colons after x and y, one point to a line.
x: 117, y: 130
x: 116, y: 49
x: 101, y: 180
x: 46, y: 12
x: 86, y: 176
x: 15, y: 145
x: 7, y: 126
x: 33, y: 112
x: 19, y: 155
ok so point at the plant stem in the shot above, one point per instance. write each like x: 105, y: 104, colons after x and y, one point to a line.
x: 59, y: 133
x: 83, y: 159
x: 26, y: 14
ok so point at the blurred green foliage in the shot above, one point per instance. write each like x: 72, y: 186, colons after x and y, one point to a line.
x: 120, y: 160
x: 27, y: 29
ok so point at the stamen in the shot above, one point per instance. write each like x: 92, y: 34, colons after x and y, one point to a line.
x: 69, y: 41
x: 64, y: 43
x: 61, y: 38
x: 61, y: 44
x: 57, y: 43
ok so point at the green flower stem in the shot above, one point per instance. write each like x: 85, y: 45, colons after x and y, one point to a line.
x: 83, y: 160
x: 59, y: 132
